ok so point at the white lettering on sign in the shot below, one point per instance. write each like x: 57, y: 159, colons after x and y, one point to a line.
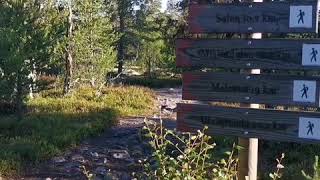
x: 309, y: 128
x: 311, y: 55
x: 304, y: 91
x: 300, y: 17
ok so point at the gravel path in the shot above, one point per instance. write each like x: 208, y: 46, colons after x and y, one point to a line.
x: 113, y: 155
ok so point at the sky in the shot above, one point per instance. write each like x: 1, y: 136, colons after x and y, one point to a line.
x: 164, y: 5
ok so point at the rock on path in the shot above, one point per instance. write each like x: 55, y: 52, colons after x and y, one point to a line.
x: 116, y: 154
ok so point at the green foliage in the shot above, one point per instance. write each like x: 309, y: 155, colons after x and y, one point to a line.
x: 298, y: 156
x: 150, y: 56
x: 128, y: 101
x: 186, y: 156
x: 93, y: 41
x: 157, y: 82
x: 277, y: 174
x: 316, y: 170
x: 27, y: 36
x: 54, y: 122
x: 152, y: 38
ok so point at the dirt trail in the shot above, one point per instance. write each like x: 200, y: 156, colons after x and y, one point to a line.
x: 113, y: 155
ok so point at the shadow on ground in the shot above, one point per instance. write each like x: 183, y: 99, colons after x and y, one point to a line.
x: 115, y: 154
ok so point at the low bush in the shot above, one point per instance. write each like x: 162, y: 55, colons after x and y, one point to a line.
x: 54, y: 122
x: 298, y: 157
x: 186, y: 156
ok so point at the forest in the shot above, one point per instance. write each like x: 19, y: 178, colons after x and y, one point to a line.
x: 67, y: 43
x: 88, y: 90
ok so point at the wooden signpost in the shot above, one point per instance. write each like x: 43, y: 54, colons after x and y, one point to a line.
x: 262, y: 89
x: 267, y: 17
x: 239, y: 53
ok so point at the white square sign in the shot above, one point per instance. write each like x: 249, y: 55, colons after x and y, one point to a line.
x: 300, y: 17
x: 309, y: 128
x: 311, y: 55
x: 304, y: 91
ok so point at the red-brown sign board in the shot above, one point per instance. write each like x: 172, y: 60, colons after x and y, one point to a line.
x: 240, y: 53
x: 261, y: 89
x: 267, y: 17
x: 245, y: 122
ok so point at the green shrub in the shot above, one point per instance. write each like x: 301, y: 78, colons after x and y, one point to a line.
x: 298, y: 156
x: 157, y: 82
x: 127, y: 100
x: 316, y: 170
x: 278, y: 174
x: 186, y: 156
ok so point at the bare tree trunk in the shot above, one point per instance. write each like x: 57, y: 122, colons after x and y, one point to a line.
x: 120, y: 56
x: 149, y: 68
x: 19, y: 97
x: 69, y: 58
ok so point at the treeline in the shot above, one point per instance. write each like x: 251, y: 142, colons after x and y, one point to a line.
x: 72, y: 42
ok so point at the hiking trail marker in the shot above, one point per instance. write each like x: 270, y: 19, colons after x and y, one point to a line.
x: 270, y: 54
x: 252, y: 53
x: 266, y: 17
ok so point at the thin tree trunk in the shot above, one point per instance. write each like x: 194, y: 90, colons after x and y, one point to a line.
x: 19, y: 98
x: 120, y: 56
x: 69, y: 58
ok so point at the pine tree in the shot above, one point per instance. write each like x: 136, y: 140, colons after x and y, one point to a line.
x: 24, y: 46
x: 94, y: 39
x: 124, y: 19
x: 89, y: 42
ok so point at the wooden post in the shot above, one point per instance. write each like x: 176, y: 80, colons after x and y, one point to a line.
x: 248, y: 157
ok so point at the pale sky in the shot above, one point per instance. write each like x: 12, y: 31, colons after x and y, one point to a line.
x: 164, y: 5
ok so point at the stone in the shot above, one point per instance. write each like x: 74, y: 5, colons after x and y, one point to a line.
x: 73, y: 168
x: 58, y: 159
x: 137, y: 151
x: 101, y: 162
x: 84, y: 149
x: 132, y: 140
x: 125, y: 176
x: 100, y: 170
x: 78, y: 158
x: 94, y: 154
x: 120, y: 154
x: 71, y: 165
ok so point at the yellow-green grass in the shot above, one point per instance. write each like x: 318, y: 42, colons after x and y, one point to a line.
x: 54, y: 122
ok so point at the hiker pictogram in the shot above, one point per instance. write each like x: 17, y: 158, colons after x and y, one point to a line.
x: 301, y: 16
x: 310, y: 128
x: 304, y: 91
x: 314, y: 54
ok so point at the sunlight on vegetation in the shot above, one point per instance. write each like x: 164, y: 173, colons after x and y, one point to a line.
x: 186, y: 156
x: 69, y: 69
x: 54, y: 122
